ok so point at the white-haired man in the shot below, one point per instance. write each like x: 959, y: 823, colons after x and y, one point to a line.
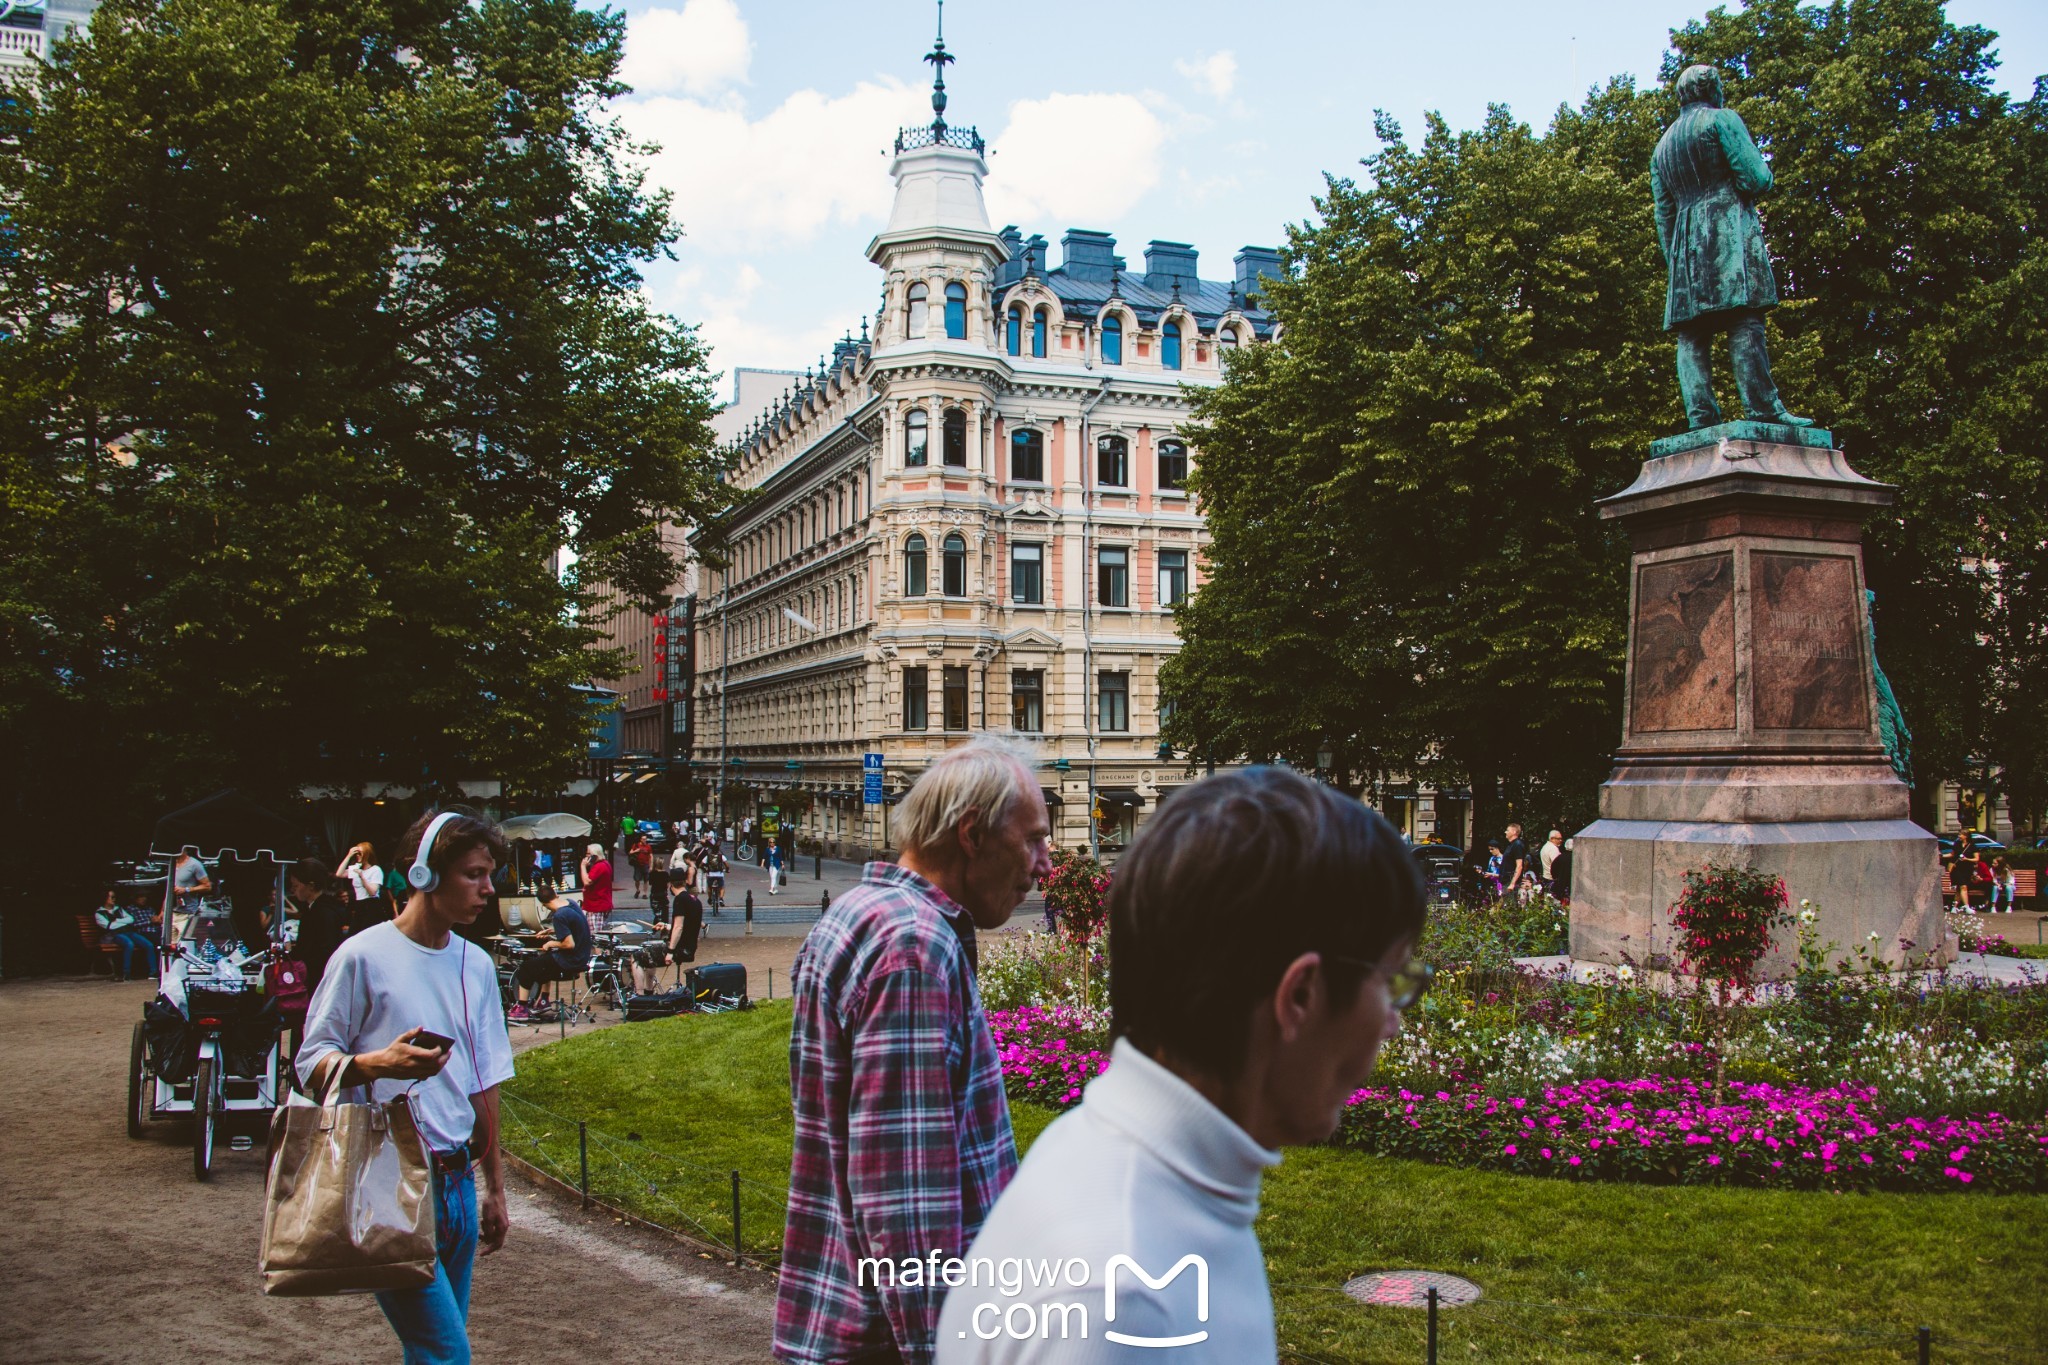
x: 902, y: 1132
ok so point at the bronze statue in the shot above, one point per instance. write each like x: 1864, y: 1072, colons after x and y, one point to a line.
x: 1706, y: 175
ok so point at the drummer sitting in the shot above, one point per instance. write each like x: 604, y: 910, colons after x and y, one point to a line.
x: 562, y: 957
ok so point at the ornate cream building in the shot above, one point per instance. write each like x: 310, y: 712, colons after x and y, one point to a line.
x: 974, y: 519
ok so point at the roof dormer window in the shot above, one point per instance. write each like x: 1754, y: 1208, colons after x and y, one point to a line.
x: 1169, y: 346
x: 1112, y: 340
x: 1013, y: 330
x: 1038, y: 329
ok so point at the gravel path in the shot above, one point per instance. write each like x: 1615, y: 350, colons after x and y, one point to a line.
x: 113, y: 1252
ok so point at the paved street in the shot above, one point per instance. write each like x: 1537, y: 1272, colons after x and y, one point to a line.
x: 114, y: 1253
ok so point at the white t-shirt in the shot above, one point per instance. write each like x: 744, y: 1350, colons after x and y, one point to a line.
x: 379, y: 984
x: 366, y: 881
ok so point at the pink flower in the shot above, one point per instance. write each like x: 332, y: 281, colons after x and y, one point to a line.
x: 1510, y: 1149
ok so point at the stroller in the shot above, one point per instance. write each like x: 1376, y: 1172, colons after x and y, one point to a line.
x: 209, y: 1044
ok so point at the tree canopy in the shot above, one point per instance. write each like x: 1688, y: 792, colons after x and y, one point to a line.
x: 321, y: 338
x: 1407, y: 565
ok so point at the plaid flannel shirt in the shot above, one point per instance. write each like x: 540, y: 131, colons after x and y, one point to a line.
x: 902, y: 1129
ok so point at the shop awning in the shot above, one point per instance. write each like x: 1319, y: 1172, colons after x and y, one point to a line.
x: 1119, y: 796
x: 1052, y: 798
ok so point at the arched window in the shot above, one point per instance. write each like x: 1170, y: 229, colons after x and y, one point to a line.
x: 954, y: 554
x: 1013, y: 330
x: 953, y: 438
x: 913, y: 567
x: 1226, y: 339
x: 1112, y: 340
x: 1038, y: 320
x: 1113, y: 462
x: 1027, y: 456
x: 1169, y: 346
x: 916, y: 436
x: 956, y: 311
x: 1173, y: 465
x: 914, y: 323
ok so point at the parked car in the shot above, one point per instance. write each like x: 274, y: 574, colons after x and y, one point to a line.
x: 1985, y: 844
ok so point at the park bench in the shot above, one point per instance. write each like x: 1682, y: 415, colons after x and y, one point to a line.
x: 89, y: 934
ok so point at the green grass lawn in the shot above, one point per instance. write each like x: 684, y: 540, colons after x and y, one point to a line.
x: 709, y: 1094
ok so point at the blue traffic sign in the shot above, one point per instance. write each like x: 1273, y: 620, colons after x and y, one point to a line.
x: 871, y: 763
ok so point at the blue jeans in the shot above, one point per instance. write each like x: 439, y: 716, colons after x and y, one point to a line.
x: 433, y: 1320
x: 132, y: 945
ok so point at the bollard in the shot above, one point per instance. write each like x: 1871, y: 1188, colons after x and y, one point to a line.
x: 750, y: 912
x: 817, y: 867
x: 771, y: 983
x: 736, y: 1217
x: 1432, y: 1325
x: 1926, y: 1345
x: 824, y: 900
x: 583, y: 1157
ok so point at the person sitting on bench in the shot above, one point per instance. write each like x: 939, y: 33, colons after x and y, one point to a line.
x: 563, y: 957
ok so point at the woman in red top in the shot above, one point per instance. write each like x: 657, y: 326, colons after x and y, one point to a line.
x: 597, y: 886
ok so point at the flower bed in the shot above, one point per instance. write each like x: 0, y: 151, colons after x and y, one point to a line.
x: 1666, y: 1129
x: 1050, y: 1052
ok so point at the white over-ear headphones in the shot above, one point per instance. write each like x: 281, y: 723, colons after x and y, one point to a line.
x: 419, y: 876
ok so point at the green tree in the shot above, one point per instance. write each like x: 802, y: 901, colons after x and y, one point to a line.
x: 1403, y: 486
x: 322, y: 336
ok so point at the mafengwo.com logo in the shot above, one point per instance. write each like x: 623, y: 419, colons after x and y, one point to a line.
x: 1001, y: 1311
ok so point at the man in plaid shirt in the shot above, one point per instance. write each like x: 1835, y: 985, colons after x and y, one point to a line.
x: 902, y: 1131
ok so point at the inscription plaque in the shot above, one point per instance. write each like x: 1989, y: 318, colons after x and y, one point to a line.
x: 1808, y: 643
x: 1684, y: 638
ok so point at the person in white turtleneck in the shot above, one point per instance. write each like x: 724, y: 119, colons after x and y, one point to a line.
x: 1221, y: 1059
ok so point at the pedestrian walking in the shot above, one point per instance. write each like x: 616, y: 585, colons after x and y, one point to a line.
x: 903, y: 1134
x: 1514, y: 859
x: 414, y: 1009
x: 657, y: 881
x: 597, y: 886
x: 1220, y: 1060
x: 365, y: 883
x: 1964, y: 870
x: 773, y: 854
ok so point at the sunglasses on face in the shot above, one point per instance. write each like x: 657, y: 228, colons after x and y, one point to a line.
x: 1404, y: 987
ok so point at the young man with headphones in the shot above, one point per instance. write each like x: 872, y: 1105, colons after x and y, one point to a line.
x: 415, y: 1007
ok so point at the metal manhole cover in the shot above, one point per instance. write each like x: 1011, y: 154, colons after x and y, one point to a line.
x: 1410, y: 1289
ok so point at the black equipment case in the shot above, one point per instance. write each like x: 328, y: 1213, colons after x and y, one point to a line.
x: 658, y: 1005
x: 717, y: 983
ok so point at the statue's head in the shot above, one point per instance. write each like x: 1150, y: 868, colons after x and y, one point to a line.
x: 1699, y: 85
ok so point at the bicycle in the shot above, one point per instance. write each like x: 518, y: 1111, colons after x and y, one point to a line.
x: 744, y: 853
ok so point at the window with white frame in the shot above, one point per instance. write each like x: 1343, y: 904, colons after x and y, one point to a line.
x: 1113, y: 577
x: 1027, y: 574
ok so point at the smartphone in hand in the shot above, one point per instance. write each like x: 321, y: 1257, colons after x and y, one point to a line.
x: 433, y: 1042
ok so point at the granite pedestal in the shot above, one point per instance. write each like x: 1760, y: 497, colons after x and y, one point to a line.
x: 1750, y: 732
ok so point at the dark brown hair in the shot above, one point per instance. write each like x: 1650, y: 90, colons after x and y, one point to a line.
x: 1233, y: 879
x: 466, y: 831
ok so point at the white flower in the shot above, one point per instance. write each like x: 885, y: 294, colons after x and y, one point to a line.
x: 1625, y: 972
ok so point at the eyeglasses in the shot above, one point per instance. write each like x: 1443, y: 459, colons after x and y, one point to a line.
x: 1404, y: 987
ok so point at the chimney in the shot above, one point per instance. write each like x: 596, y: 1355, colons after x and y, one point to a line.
x: 1086, y: 255
x: 1253, y: 262
x: 1168, y: 264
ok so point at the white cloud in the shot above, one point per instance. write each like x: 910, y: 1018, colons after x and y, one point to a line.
x: 1074, y: 159
x: 697, y: 50
x: 1215, y: 74
x: 814, y: 160
x: 723, y: 301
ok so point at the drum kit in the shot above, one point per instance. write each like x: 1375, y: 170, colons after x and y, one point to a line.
x: 608, y: 979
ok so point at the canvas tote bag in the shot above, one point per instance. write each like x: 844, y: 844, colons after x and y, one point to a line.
x: 349, y: 1204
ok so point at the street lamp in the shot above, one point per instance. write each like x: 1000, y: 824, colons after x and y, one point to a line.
x: 1326, y: 759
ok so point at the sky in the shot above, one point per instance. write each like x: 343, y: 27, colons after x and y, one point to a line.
x: 1194, y: 121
